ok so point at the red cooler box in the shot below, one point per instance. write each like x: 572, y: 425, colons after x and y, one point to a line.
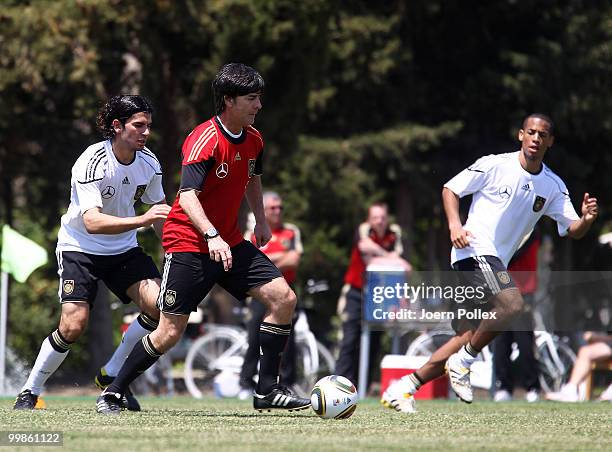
x: 393, y: 367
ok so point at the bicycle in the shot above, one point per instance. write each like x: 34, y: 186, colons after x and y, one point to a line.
x: 222, y: 348
x: 555, y: 358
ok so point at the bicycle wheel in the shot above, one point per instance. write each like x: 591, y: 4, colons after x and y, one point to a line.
x: 306, y: 360
x: 314, y: 361
x: 327, y: 362
x: 427, y: 343
x: 221, y: 349
x: 555, y: 365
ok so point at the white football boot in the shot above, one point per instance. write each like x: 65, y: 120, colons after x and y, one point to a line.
x: 459, y: 376
x: 399, y: 397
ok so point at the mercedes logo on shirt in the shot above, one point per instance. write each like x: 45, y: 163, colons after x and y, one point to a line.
x: 108, y: 192
x: 505, y: 191
x: 222, y: 170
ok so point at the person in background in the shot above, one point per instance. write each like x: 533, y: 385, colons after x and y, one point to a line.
x: 598, y: 348
x: 523, y: 268
x: 285, y: 250
x: 376, y: 240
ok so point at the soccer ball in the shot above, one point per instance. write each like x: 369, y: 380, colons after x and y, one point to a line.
x: 334, y: 397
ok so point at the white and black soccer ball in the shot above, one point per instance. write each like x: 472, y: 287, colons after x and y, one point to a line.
x: 334, y: 397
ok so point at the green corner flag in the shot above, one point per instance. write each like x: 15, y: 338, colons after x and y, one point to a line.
x: 20, y: 255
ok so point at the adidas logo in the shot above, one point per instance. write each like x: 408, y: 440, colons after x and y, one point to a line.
x: 526, y: 187
x: 125, y: 180
x: 237, y: 157
x: 281, y: 400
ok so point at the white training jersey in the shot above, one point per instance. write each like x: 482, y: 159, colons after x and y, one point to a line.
x: 100, y: 180
x: 507, y: 203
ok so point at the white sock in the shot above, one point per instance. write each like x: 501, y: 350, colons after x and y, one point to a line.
x: 409, y: 388
x: 412, y: 383
x: 47, y: 362
x: 466, y: 358
x: 134, y: 333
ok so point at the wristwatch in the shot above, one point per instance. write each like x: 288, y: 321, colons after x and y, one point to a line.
x: 211, y: 233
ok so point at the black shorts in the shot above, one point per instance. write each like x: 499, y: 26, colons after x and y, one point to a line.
x: 188, y: 277
x: 79, y: 273
x: 487, y: 276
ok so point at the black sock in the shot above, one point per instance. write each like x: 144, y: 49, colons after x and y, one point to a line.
x: 142, y: 357
x: 471, y: 350
x: 147, y: 322
x: 58, y: 342
x: 416, y: 380
x: 272, y: 341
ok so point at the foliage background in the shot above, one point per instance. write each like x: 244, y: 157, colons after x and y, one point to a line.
x: 364, y: 101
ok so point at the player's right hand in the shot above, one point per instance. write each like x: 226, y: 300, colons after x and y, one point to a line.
x: 156, y: 212
x: 589, y: 208
x: 220, y: 251
x: 459, y: 237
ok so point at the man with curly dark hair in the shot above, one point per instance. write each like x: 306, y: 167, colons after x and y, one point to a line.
x: 97, y: 240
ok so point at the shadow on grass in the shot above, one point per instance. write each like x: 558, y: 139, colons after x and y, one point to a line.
x: 217, y: 414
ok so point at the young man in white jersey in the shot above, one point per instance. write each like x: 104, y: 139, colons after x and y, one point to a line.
x: 510, y: 194
x: 97, y: 240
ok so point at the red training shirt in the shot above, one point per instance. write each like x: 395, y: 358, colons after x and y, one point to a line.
x: 230, y: 163
x: 285, y: 238
x: 390, y: 241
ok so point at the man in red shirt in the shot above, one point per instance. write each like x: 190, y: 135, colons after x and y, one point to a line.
x: 285, y: 250
x: 374, y: 239
x: 222, y: 162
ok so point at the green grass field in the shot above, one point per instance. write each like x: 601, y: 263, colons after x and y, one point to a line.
x: 183, y: 423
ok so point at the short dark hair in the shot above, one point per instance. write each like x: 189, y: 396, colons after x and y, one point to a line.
x: 543, y: 117
x: 120, y: 107
x: 235, y: 79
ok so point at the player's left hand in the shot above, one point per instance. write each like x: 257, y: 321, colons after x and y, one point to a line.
x: 262, y: 233
x: 590, y: 210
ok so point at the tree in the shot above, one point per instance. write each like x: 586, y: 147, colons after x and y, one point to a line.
x: 364, y: 100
